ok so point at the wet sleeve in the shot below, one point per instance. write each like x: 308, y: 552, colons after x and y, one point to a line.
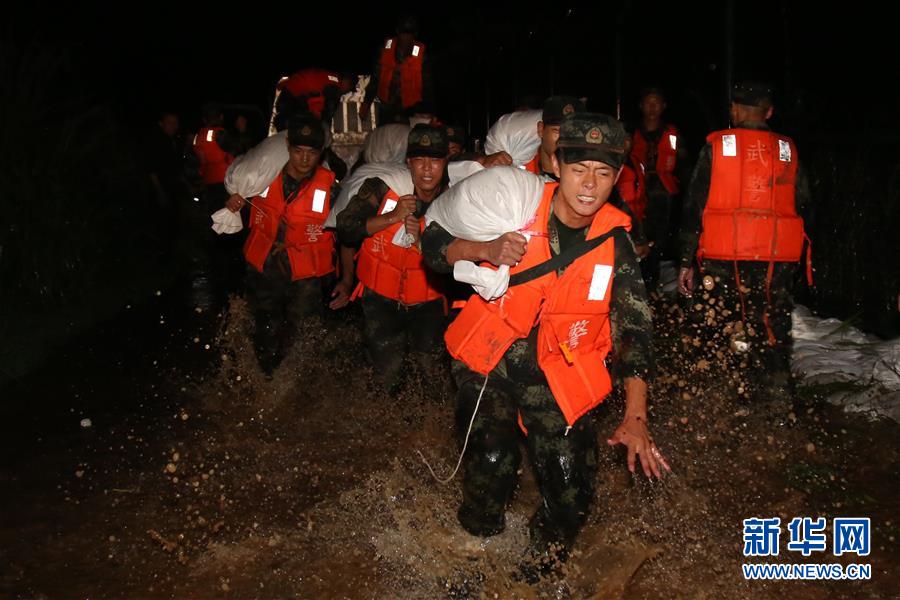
x: 694, y: 204
x: 435, y: 240
x: 351, y: 222
x: 630, y: 317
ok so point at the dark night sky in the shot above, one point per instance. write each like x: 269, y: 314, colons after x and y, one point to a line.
x: 484, y: 57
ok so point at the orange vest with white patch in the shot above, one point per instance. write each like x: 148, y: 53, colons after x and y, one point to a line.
x: 751, y: 212
x: 310, y: 249
x: 393, y: 271
x: 571, y: 311
x: 533, y: 165
x: 666, y: 154
x: 630, y: 187
x: 214, y: 161
x: 410, y: 73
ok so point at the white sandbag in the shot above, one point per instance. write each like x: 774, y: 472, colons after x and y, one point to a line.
x: 387, y: 144
x: 515, y: 134
x: 483, y: 207
x: 225, y: 221
x: 251, y: 173
x: 460, y: 169
x: 396, y: 177
x: 866, y: 368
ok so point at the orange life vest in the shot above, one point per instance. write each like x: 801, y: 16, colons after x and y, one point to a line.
x: 750, y: 211
x: 390, y: 270
x: 311, y: 83
x: 666, y: 153
x: 410, y: 73
x: 214, y: 161
x: 534, y: 165
x: 309, y: 247
x: 630, y: 187
x: 572, y: 311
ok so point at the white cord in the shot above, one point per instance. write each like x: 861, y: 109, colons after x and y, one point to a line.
x: 465, y: 444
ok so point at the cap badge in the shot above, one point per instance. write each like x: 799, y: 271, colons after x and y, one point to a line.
x: 568, y: 109
x: 594, y: 136
x: 425, y: 141
x: 306, y: 130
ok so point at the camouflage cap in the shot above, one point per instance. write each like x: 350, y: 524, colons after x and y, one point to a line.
x: 457, y: 134
x: 306, y: 130
x: 752, y: 93
x: 427, y: 140
x: 556, y: 108
x: 592, y: 136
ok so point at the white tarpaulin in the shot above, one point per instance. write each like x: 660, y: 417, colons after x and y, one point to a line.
x: 515, y: 134
x: 481, y: 208
x: 827, y: 351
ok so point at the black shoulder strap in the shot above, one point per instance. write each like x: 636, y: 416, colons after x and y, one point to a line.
x: 563, y: 259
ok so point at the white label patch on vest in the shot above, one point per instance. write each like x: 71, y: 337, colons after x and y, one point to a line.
x: 729, y: 145
x: 784, y: 151
x: 319, y: 201
x: 332, y: 78
x: 415, y: 50
x: 388, y: 44
x: 265, y: 193
x: 600, y: 282
x: 388, y: 206
x: 209, y: 135
x: 673, y: 141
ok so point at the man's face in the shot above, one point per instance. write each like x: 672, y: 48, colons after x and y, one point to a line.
x: 427, y: 172
x: 455, y: 149
x: 652, y: 106
x: 303, y: 159
x: 585, y: 186
x: 549, y: 135
x: 169, y: 125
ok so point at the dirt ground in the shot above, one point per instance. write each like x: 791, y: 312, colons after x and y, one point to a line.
x: 200, y: 478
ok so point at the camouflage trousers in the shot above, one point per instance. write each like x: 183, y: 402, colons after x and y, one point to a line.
x: 394, y: 330
x: 279, y: 305
x: 565, y: 462
x: 747, y: 306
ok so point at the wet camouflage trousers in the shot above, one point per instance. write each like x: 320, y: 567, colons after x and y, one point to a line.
x: 393, y: 330
x: 565, y: 462
x: 279, y: 305
x: 748, y: 313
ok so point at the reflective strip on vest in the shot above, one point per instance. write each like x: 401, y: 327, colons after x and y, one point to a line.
x: 415, y: 50
x: 729, y: 145
x: 318, y: 203
x: 195, y: 140
x: 332, y: 78
x: 388, y: 44
x: 600, y: 282
x: 389, y: 205
x: 673, y: 141
x: 209, y: 135
x: 265, y: 193
x: 784, y: 151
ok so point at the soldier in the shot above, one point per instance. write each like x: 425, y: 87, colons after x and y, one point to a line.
x: 743, y: 223
x: 401, y: 79
x: 552, y: 373
x: 556, y: 108
x: 290, y: 257
x: 403, y: 303
x: 660, y: 156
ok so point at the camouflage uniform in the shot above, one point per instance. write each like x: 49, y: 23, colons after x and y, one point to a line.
x: 771, y: 364
x: 565, y: 461
x: 392, y: 328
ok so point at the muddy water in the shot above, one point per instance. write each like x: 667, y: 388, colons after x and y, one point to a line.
x: 201, y: 478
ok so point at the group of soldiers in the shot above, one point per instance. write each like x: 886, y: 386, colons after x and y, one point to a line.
x: 575, y: 320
